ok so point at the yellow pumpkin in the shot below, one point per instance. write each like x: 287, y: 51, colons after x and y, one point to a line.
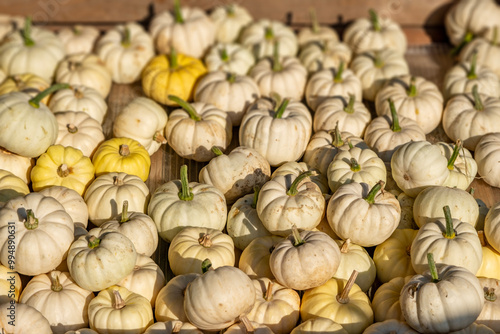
x: 62, y: 166
x: 491, y: 259
x: 122, y: 155
x: 175, y: 74
x: 27, y: 83
x: 11, y: 186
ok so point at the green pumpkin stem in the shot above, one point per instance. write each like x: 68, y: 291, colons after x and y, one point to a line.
x: 206, y: 265
x: 76, y: 30
x: 269, y: 33
x: 231, y: 77
x: 124, y: 212
x: 118, y: 302
x: 178, y: 12
x: 349, y: 143
x: 469, y: 36
x: 412, y: 90
x: 94, y: 242
x: 355, y: 167
x: 374, y: 19
x: 217, y: 151
x: 489, y: 294
x: 478, y: 103
x: 230, y: 9
x: 378, y: 62
x: 432, y: 268
x: 293, y: 188
x: 35, y: 101
x: 454, y: 155
x: 31, y: 221
x: 336, y: 136
x: 186, y: 106
x: 276, y: 57
x: 340, y: 71
x: 26, y: 32
x: 223, y: 55
x: 256, y: 191
x: 349, y: 108
x: 173, y: 58
x: 56, y: 284
x: 282, y: 108
x: 494, y: 41
x: 450, y: 232
x: 314, y: 21
x: 472, y: 70
x: 126, y: 37
x: 395, y: 119
x: 343, y: 298
x: 370, y: 198
x: 297, y: 239
x: 185, y: 194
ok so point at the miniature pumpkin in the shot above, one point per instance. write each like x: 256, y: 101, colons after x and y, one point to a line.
x: 26, y: 83
x: 486, y: 156
x: 461, y: 165
x: 10, y: 285
x: 317, y: 56
x: 72, y: 202
x: 316, y: 32
x: 27, y: 319
x: 354, y: 257
x: 78, y: 39
x: 229, y: 21
x: 231, y: 58
x: 296, y: 168
x: 11, y: 187
x: 489, y: 313
x: 169, y: 303
x: 319, y: 325
x: 492, y: 226
x: 16, y: 164
x: 9, y: 23
x: 172, y: 326
x: 386, y: 303
x: 254, y: 260
x: 487, y: 51
x: 390, y: 326
x: 491, y: 258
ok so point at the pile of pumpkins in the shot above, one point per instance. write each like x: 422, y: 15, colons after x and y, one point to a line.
x: 323, y: 220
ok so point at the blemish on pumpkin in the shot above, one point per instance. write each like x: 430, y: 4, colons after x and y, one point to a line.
x: 417, y: 111
x: 44, y: 131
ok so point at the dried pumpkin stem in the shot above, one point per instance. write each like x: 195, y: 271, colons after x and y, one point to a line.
x: 77, y: 92
x: 489, y: 294
x: 72, y: 128
x: 31, y: 221
x: 205, y: 241
x: 206, y: 265
x: 124, y: 212
x: 340, y: 71
x: 349, y: 108
x: 186, y: 106
x: 297, y: 240
x: 281, y: 108
x: 345, y: 246
x: 355, y: 167
x: 256, y: 191
x: 124, y: 150
x: 126, y: 37
x: 94, y: 242
x: 412, y: 90
x: 370, y: 198
x: 35, y: 102
x: 374, y: 19
x: 482, y: 238
x: 247, y: 324
x: 217, y: 151
x: 454, y: 155
x: 432, y: 267
x: 118, y: 302
x: 159, y: 138
x: 293, y: 188
x: 343, y: 298
x: 314, y: 21
x: 55, y: 284
x: 223, y: 55
x: 395, y: 119
x: 26, y: 32
x: 336, y: 136
x: 276, y: 57
x: 450, y: 232
x: 63, y: 170
x: 185, y: 194
x: 478, y: 103
x: 473, y: 64
x: 177, y: 327
x: 269, y: 292
x: 178, y: 12
x: 117, y: 181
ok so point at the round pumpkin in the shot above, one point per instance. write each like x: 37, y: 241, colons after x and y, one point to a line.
x: 11, y: 187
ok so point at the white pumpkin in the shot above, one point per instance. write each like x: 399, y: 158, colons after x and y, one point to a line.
x: 10, y: 285
x: 488, y: 52
x: 11, y: 187
x: 26, y: 319
x: 317, y: 56
x: 316, y: 32
x: 78, y: 39
x: 172, y: 326
x: 254, y: 260
x: 169, y: 303
x: 297, y: 168
x: 16, y: 164
x: 230, y: 57
x: 386, y: 303
x: 229, y: 21
x: 492, y: 226
x: 72, y: 202
x: 491, y: 308
x: 9, y: 23
x: 319, y: 325
x: 391, y: 326
x: 462, y: 166
x: 354, y: 257
x: 486, y: 155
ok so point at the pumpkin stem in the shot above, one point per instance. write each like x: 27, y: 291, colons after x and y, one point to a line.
x: 345, y: 246
x: 343, y: 298
x: 74, y: 65
x: 35, y: 102
x: 472, y: 70
x: 63, y: 170
x: 349, y: 108
x: 469, y: 36
x: 94, y: 242
x: 296, y: 236
x: 336, y: 136
x: 482, y: 239
x: 186, y: 106
x: 408, y: 250
x: 256, y: 191
x: 355, y: 167
x: 248, y: 325
x: 231, y: 77
x: 118, y: 302
x: 370, y: 198
x: 349, y: 143
x: 185, y: 194
x: 478, y: 103
x: 117, y: 181
x: 281, y: 108
x: 206, y: 265
x: 277, y: 100
x: 374, y: 20
x: 293, y: 188
x: 217, y: 151
x: 76, y: 30
x: 276, y: 57
x: 205, y: 241
x: 26, y: 32
x: 124, y: 150
x: 314, y: 21
x: 494, y: 41
x: 126, y: 37
x: 177, y: 12
x: 159, y: 138
x: 450, y: 233
x: 395, y: 119
x: 223, y: 55
x: 72, y: 128
x: 56, y: 285
x: 432, y: 267
x: 230, y: 9
x: 269, y: 292
x: 454, y: 155
x: 412, y: 90
x: 489, y: 294
x: 338, y: 74
x: 269, y: 34
x: 378, y: 62
x: 31, y: 221
x: 77, y: 92
x: 173, y: 59
x: 124, y: 212
x: 177, y: 327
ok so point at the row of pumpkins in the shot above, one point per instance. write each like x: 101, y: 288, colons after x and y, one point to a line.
x: 293, y: 236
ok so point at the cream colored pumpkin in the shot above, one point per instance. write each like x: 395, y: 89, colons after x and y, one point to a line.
x: 491, y: 308
x: 146, y: 279
x: 118, y: 310
x: 452, y: 242
x: 85, y: 70
x: 415, y: 98
x: 78, y: 39
x: 169, y: 303
x: 229, y: 21
x: 59, y: 299
x: 305, y: 260
x: 254, y: 260
x: 80, y: 98
x: 354, y: 257
x: 463, y: 169
x: 144, y: 120
x: 297, y: 168
x: 189, y: 31
x: 275, y: 306
x: 16, y: 164
x: 229, y: 57
x: 355, y: 165
x: 430, y: 202
x: 486, y: 155
x: 82, y: 331
x: 10, y: 285
x: 317, y: 56
x: 316, y: 32
x: 319, y: 325
x: 386, y: 303
x: 375, y: 68
x: 332, y: 82
x: 488, y: 52
x: 351, y: 116
x: 172, y: 326
x: 366, y: 216
x: 77, y: 129
x: 9, y: 23
x: 475, y: 328
x: 72, y: 202
x: 42, y: 231
x: 106, y: 192
x: 11, y: 187
x: 392, y: 257
x: 192, y: 245
x: 260, y: 38
x: 229, y: 92
x: 492, y: 226
x: 27, y: 319
x: 206, y: 125
x: 26, y: 83
x: 491, y: 259
x: 390, y: 326
x: 246, y: 326
x: 376, y: 33
x: 278, y: 131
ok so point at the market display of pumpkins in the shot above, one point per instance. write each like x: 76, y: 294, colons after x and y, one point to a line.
x: 332, y: 214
